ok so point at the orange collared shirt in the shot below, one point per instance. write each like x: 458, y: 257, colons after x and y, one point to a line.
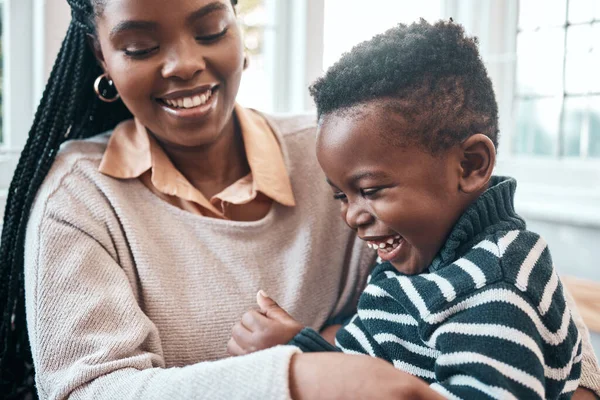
x: 133, y: 153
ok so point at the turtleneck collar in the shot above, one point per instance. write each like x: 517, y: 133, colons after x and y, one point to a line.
x: 493, y: 211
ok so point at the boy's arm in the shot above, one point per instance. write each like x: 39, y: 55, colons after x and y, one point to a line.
x: 497, y: 345
x: 309, y: 341
x: 329, y: 333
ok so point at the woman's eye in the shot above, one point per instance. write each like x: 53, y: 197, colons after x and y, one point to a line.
x: 140, y: 53
x: 212, y: 38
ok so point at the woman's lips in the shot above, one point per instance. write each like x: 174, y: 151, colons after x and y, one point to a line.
x: 193, y: 107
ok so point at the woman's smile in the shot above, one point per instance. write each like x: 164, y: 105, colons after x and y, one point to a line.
x: 193, y: 104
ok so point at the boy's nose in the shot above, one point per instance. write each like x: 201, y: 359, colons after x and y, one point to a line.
x: 357, y: 216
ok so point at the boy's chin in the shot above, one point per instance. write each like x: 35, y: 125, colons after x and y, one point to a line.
x: 408, y: 267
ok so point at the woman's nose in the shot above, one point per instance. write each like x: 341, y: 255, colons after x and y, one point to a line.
x: 184, y: 61
x: 358, y: 216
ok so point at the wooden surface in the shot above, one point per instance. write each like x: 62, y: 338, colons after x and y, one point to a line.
x: 587, y: 296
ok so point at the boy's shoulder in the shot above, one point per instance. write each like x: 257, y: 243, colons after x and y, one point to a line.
x: 514, y: 260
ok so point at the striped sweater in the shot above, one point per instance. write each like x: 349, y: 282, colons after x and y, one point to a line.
x: 488, y: 319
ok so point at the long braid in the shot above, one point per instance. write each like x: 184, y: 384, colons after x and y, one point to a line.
x: 70, y: 108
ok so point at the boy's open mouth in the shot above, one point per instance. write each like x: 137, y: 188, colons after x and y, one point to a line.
x: 385, y: 245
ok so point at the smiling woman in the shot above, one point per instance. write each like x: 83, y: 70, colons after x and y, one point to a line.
x: 140, y: 241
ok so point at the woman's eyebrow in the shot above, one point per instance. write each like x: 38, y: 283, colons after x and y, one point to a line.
x: 133, y: 25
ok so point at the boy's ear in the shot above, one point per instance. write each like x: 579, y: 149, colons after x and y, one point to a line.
x: 97, y: 50
x: 478, y: 157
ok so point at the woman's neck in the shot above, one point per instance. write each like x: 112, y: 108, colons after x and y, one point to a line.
x: 213, y: 167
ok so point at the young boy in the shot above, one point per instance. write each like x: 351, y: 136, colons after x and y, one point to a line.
x: 465, y: 298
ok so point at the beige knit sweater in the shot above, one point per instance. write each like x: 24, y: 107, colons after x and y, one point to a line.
x: 130, y: 297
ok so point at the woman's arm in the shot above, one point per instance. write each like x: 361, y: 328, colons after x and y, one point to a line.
x: 89, y: 336
x: 343, y: 376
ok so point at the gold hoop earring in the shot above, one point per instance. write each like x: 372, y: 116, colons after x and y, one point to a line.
x: 101, y: 94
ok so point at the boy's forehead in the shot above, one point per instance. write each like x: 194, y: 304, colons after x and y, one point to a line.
x: 373, y: 122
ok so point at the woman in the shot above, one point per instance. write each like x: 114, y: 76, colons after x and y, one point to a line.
x: 141, y: 247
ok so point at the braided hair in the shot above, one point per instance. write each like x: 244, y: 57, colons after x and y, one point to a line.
x: 69, y: 109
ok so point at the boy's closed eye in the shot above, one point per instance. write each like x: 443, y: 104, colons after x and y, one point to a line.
x: 370, y: 192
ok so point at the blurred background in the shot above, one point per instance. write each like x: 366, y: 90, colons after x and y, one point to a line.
x: 543, y: 57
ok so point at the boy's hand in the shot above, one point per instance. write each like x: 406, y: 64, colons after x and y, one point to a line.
x: 261, y: 329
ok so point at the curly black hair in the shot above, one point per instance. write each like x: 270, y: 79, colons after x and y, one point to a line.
x: 69, y: 109
x: 432, y: 76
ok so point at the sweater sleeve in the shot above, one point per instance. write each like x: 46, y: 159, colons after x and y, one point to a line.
x: 89, y: 337
x: 499, y: 347
x: 308, y: 340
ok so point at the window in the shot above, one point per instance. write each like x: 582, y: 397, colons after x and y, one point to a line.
x: 546, y: 82
x: 255, y: 17
x: 557, y: 97
x: 347, y: 25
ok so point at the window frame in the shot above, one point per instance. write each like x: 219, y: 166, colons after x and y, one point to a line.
x: 18, y: 83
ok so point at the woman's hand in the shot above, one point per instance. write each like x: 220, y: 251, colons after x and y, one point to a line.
x: 260, y: 329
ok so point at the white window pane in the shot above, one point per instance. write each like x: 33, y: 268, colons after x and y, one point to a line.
x: 583, y: 59
x: 583, y: 10
x: 349, y: 22
x: 540, y: 62
x: 594, y: 127
x: 537, y: 126
x: 255, y: 89
x: 580, y: 39
x: 542, y: 13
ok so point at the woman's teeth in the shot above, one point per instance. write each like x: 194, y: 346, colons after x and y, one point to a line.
x: 189, y: 102
x: 385, y: 245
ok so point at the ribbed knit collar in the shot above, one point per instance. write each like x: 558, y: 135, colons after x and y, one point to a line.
x: 493, y: 211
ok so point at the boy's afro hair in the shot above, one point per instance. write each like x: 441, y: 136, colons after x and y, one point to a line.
x: 431, y: 75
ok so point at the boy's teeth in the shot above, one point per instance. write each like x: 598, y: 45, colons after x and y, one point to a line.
x: 389, y: 245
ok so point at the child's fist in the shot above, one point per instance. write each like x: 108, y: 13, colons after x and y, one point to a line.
x: 260, y: 329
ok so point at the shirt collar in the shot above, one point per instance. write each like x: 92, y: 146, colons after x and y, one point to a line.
x: 131, y: 151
